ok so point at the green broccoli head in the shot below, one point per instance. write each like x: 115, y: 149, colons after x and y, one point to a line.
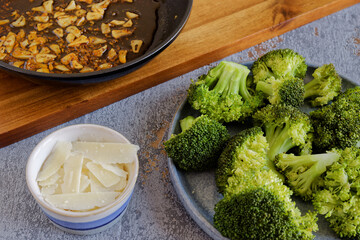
x: 199, y: 144
x: 244, y: 153
x: 285, y: 127
x: 303, y: 173
x: 260, y: 213
x: 339, y: 201
x: 223, y: 95
x: 324, y: 87
x: 288, y: 91
x: 337, y: 125
x: 280, y: 63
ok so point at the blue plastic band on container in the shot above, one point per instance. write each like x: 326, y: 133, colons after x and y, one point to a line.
x: 91, y: 225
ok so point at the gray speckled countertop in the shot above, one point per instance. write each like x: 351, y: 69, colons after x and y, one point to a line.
x: 155, y: 211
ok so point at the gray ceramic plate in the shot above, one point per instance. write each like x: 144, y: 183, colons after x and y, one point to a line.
x: 197, y: 190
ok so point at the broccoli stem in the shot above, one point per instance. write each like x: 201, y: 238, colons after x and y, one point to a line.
x: 311, y: 88
x: 186, y: 123
x: 281, y: 142
x: 229, y: 78
x: 265, y: 87
x: 308, y: 160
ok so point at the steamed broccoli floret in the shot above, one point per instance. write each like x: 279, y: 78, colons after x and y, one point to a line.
x: 339, y: 201
x: 223, y: 95
x: 303, y: 173
x: 289, y: 91
x: 324, y: 87
x: 199, y: 144
x: 256, y: 203
x: 338, y: 125
x: 285, y: 127
x: 280, y: 63
x: 261, y: 213
x: 244, y: 154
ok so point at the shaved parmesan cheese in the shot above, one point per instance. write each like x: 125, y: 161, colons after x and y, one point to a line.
x: 50, y: 181
x: 72, y: 173
x: 107, y: 152
x: 114, y: 168
x: 82, y: 176
x: 84, y: 183
x: 81, y: 201
x: 55, y: 160
x: 48, y: 190
x: 107, y: 178
x: 95, y: 185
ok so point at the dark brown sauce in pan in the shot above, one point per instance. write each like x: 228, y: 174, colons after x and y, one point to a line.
x: 144, y: 28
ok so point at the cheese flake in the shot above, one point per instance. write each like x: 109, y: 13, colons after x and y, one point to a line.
x: 106, y: 177
x: 107, y: 152
x: 81, y: 201
x: 72, y: 173
x: 55, y: 160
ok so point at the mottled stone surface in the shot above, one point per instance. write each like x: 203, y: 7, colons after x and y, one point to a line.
x: 155, y: 211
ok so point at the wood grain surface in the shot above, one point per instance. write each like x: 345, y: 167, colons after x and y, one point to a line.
x: 215, y: 29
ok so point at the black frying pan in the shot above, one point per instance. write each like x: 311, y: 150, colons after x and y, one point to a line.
x: 172, y: 16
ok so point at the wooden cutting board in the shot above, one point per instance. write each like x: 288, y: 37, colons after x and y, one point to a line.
x: 215, y: 29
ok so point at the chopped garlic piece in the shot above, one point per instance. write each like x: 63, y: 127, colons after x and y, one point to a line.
x: 59, y: 32
x: 136, y: 45
x: 5, y: 21
x: 96, y: 40
x: 86, y: 69
x: 21, y: 53
x: 99, y: 52
x: 42, y: 19
x: 55, y: 48
x: 66, y: 20
x: 20, y: 22
x: 44, y: 58
x: 62, y: 68
x: 105, y: 66
x: 121, y: 33
x: 122, y: 56
x: 105, y: 28
x: 80, y: 40
x: 131, y: 15
x: 71, y: 6
x: 43, y: 26
x: 117, y: 22
x: 48, y: 6
x: 128, y: 23
x: 90, y: 16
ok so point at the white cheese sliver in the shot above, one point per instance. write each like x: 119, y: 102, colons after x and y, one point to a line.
x: 55, y: 160
x: 48, y: 190
x: 84, y: 183
x: 114, y: 169
x: 106, y: 177
x: 72, y: 173
x: 50, y: 181
x: 81, y: 201
x: 107, y: 152
x: 96, y: 186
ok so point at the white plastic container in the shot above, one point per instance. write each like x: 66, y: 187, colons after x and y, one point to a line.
x: 89, y: 222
